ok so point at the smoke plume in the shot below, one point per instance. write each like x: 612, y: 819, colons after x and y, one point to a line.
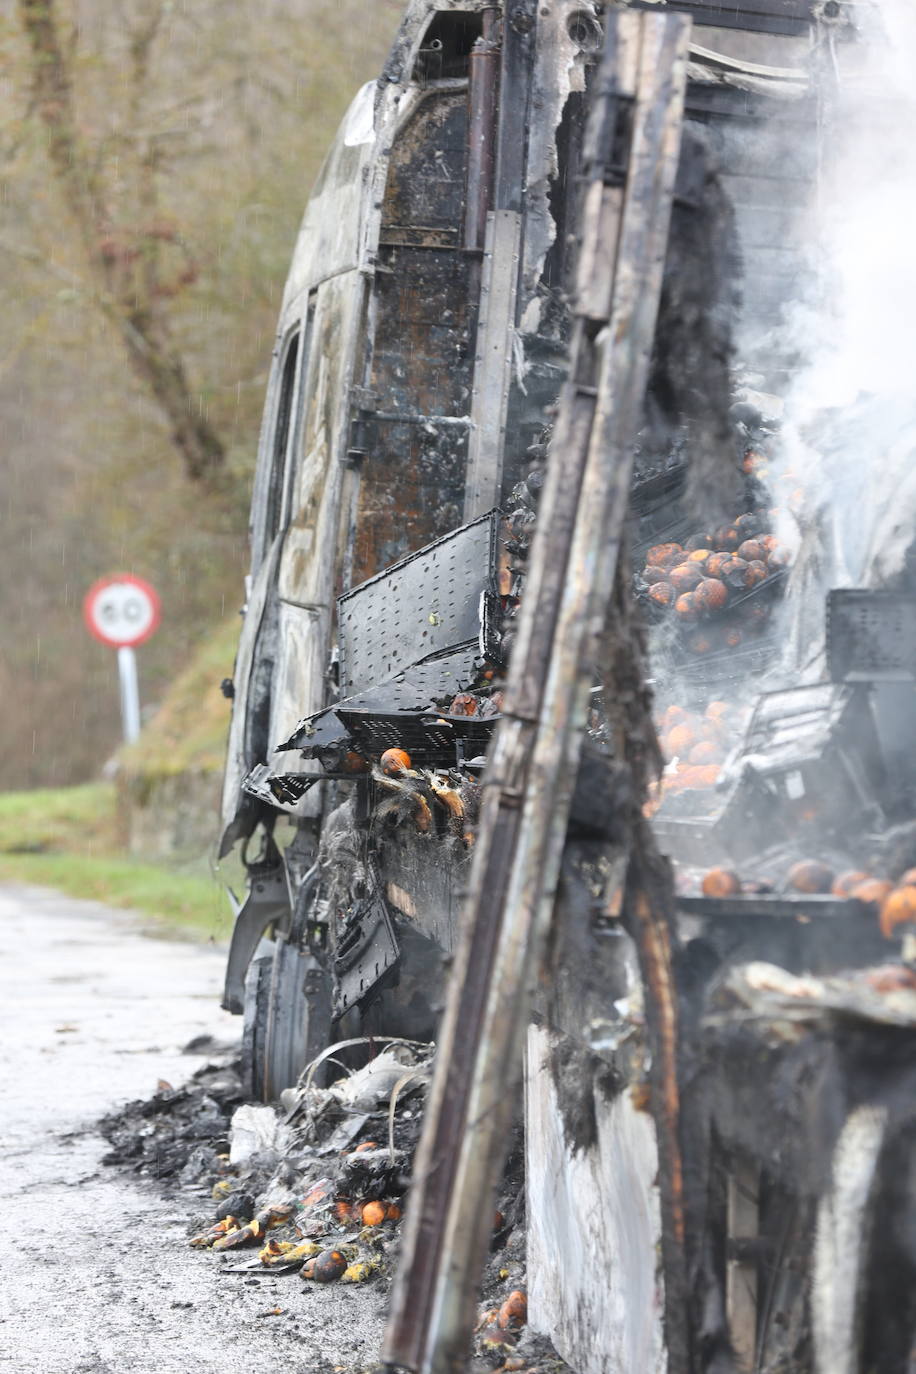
x: 845, y: 475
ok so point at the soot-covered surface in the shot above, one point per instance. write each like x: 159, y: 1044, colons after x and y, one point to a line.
x: 178, y: 1134
x: 280, y: 1194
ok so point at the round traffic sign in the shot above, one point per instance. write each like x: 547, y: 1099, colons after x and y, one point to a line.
x: 121, y: 611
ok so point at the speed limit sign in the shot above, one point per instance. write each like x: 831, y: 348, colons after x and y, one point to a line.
x: 121, y: 611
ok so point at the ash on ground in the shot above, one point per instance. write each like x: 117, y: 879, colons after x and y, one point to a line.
x: 179, y: 1135
x: 315, y: 1188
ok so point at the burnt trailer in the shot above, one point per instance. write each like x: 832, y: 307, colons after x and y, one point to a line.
x: 436, y: 358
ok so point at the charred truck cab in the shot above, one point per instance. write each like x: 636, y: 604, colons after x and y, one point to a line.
x: 421, y: 347
x: 421, y: 337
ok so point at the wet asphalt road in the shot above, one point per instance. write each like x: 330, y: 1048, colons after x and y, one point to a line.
x: 95, y: 1273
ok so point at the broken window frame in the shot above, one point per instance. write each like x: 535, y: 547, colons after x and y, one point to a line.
x: 280, y: 442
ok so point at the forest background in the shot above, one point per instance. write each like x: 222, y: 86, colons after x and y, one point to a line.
x: 155, y: 160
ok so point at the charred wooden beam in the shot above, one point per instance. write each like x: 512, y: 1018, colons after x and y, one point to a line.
x: 742, y: 1260
x: 536, y: 750
x: 652, y: 915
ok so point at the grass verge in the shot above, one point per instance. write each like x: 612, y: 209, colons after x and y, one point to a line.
x: 81, y: 820
x: 68, y: 839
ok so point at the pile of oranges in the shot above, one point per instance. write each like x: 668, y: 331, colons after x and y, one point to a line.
x: 700, y: 581
x: 894, y: 902
x: 695, y: 745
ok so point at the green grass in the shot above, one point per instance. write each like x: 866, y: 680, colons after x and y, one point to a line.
x: 78, y: 820
x: 73, y: 838
x: 178, y: 903
x: 68, y: 839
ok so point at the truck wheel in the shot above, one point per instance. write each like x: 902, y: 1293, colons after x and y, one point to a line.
x: 287, y: 1019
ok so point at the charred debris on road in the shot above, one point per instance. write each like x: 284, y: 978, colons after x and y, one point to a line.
x: 592, y: 684
x: 314, y: 1189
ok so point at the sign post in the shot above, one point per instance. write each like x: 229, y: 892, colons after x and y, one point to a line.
x: 122, y: 612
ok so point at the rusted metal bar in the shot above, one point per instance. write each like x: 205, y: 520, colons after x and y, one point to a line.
x: 535, y: 753
x: 501, y: 265
x: 483, y: 91
x: 492, y: 363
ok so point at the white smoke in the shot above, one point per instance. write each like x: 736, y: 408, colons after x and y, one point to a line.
x: 847, y: 465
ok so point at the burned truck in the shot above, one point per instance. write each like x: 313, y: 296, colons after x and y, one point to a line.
x: 439, y: 371
x: 421, y: 346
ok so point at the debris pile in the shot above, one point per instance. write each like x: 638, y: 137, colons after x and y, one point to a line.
x: 179, y: 1135
x: 315, y: 1186
x: 437, y: 801
x: 318, y: 1186
x: 884, y: 994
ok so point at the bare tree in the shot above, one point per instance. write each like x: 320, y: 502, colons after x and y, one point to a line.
x: 138, y: 261
x: 227, y: 126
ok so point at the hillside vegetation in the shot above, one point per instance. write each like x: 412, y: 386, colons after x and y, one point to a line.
x: 188, y: 731
x: 203, y: 127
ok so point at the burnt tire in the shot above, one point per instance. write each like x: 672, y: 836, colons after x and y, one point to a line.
x: 254, y: 1028
x: 287, y: 1019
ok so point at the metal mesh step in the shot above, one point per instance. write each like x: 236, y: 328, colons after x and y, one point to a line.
x: 426, y: 604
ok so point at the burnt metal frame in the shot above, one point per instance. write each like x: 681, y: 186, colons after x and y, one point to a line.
x: 267, y: 902
x: 788, y: 17
x: 370, y: 952
x: 501, y: 268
